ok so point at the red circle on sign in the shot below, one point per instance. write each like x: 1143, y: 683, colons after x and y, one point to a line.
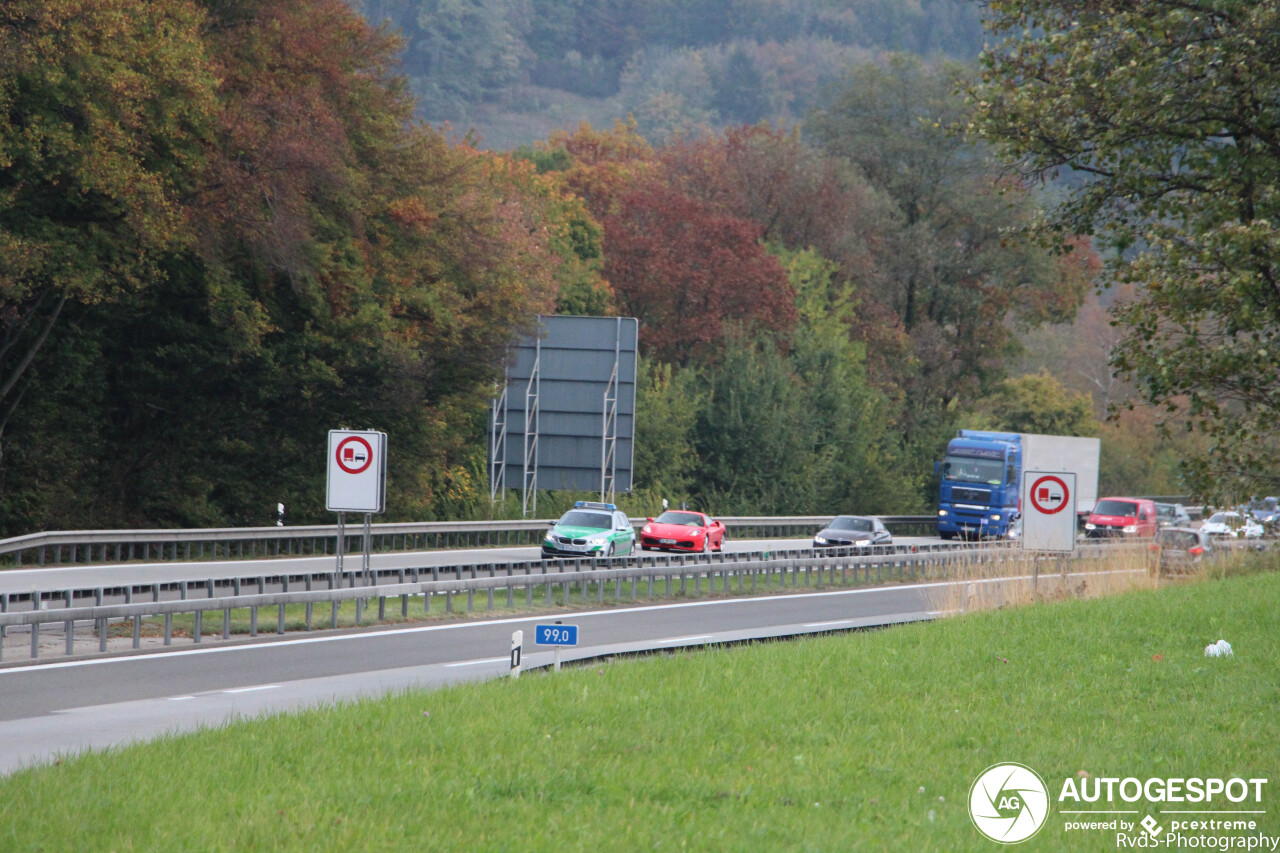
x: 348, y: 458
x: 1035, y: 491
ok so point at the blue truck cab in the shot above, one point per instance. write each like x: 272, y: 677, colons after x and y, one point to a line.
x: 981, y: 473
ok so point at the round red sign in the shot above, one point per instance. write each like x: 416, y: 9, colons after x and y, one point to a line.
x: 1049, y: 494
x: 354, y: 454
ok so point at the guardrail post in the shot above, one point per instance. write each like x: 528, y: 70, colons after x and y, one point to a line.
x: 168, y: 629
x: 198, y: 632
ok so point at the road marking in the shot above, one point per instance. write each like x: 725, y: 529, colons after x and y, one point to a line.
x: 524, y: 620
x: 476, y: 662
x: 251, y: 689
x: 828, y: 624
x: 685, y: 639
x: 180, y: 698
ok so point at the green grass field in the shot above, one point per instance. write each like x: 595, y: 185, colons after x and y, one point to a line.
x: 856, y: 741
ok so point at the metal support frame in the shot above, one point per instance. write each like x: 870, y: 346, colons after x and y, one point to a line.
x: 609, y: 425
x: 529, y: 499
x: 498, y: 445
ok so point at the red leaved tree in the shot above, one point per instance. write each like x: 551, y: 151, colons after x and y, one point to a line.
x: 686, y: 271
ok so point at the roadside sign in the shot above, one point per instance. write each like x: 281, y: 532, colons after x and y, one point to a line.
x: 1048, y: 515
x: 556, y: 635
x: 357, y: 479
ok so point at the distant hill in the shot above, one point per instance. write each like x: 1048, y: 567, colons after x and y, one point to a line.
x: 515, y: 70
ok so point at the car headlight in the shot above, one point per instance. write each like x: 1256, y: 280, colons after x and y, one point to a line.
x: 995, y: 516
x: 1130, y: 528
x: 550, y: 537
x: 598, y: 540
x: 818, y: 540
x: 942, y: 512
x: 646, y: 529
x: 1090, y: 526
x: 862, y: 542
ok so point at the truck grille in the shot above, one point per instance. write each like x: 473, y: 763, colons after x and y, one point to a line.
x: 975, y: 495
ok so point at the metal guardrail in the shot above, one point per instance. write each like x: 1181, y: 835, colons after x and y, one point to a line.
x: 560, y: 580
x: 124, y: 546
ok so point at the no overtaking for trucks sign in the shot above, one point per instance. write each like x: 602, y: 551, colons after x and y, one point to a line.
x: 1048, y: 511
x: 357, y: 471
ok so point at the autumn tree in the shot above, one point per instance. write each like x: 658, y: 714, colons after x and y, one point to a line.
x: 688, y: 272
x: 335, y: 265
x: 949, y: 271
x: 803, y: 199
x: 1164, y: 112
x: 102, y: 130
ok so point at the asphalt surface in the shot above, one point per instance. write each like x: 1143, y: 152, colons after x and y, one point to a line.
x: 57, y: 579
x: 59, y: 708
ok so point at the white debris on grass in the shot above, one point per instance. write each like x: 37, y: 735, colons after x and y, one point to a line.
x: 1218, y: 650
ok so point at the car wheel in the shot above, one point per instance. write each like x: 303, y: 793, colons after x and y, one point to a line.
x: 947, y: 535
x: 609, y: 553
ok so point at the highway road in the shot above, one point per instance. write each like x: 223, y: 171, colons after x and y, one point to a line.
x: 57, y: 579
x: 63, y: 707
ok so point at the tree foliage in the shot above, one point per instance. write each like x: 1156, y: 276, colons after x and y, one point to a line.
x: 1165, y: 113
x: 948, y: 271
x: 316, y: 260
x: 689, y: 273
x: 101, y: 128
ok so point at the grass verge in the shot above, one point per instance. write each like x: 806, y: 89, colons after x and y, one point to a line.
x: 857, y: 741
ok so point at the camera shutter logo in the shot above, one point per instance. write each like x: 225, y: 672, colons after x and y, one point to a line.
x: 1008, y: 803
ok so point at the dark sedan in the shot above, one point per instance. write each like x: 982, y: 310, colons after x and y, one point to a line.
x: 853, y: 530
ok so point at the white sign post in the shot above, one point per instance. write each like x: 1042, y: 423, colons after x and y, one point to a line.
x: 357, y: 481
x: 1048, y: 511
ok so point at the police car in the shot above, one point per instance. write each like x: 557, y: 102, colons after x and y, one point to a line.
x: 590, y: 529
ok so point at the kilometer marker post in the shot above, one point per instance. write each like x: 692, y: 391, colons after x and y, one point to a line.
x: 517, y: 649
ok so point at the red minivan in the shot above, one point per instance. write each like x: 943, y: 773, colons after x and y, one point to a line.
x: 1122, y: 517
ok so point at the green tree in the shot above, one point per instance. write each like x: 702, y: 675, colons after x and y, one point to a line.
x: 667, y: 403
x: 1164, y: 113
x: 1037, y: 403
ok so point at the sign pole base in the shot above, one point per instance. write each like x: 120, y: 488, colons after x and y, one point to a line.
x: 368, y: 546
x: 341, y: 543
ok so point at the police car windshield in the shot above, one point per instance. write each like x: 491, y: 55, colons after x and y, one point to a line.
x: 582, y: 518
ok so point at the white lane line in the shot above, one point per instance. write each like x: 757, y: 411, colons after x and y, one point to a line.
x: 828, y: 624
x: 251, y: 689
x: 685, y: 639
x: 180, y: 698
x: 475, y: 662
x: 524, y: 620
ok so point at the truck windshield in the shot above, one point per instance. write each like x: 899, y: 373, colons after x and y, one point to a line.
x: 966, y: 469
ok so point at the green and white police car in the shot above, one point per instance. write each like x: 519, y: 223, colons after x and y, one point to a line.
x: 590, y: 529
